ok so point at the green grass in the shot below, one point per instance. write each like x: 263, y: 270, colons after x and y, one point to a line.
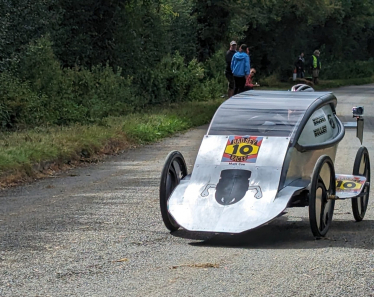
x: 21, y: 150
x: 329, y: 84
x: 157, y: 124
x: 272, y: 84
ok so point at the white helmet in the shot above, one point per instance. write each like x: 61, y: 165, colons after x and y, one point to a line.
x: 302, y: 88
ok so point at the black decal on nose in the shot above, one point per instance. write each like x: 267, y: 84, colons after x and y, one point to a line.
x: 232, y: 186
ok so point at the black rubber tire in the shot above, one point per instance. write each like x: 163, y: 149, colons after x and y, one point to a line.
x: 360, y: 204
x: 174, y: 170
x: 321, y: 209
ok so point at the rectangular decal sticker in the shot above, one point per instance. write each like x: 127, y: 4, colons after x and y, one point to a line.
x: 349, y: 183
x: 242, y: 149
x: 320, y: 131
x: 319, y: 120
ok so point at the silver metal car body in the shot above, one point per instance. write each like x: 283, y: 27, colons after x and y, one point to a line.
x: 259, y: 151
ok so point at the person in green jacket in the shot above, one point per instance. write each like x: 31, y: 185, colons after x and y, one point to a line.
x: 315, y: 65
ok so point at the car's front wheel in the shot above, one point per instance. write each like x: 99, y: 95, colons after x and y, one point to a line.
x: 173, y: 171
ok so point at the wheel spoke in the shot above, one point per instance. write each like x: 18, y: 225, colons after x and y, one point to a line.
x: 169, y: 184
x: 365, y: 201
x: 171, y: 181
x: 325, y: 176
x: 326, y: 212
x: 319, y: 207
x: 359, y: 205
x: 362, y: 168
x: 177, y: 169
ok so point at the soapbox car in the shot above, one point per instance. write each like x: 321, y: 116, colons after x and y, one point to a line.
x: 265, y: 151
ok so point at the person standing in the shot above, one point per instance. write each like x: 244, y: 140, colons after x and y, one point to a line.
x: 228, y: 73
x: 315, y: 64
x: 240, y: 66
x: 300, y: 64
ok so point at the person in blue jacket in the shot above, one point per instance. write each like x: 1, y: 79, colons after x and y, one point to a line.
x: 240, y: 66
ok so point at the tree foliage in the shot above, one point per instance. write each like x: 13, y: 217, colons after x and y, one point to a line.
x: 67, y: 53
x: 279, y: 30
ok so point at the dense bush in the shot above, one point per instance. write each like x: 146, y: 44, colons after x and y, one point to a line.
x: 79, y: 61
x: 49, y: 94
x: 16, y: 102
x: 40, y: 92
x: 348, y: 69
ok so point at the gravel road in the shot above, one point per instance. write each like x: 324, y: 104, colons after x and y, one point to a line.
x: 97, y: 231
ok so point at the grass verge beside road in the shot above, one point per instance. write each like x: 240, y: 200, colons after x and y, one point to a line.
x: 33, y: 153
x: 336, y: 83
x: 38, y: 152
x: 272, y: 83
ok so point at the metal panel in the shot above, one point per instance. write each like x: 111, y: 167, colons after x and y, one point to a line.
x: 198, y: 206
x: 213, y: 146
x: 320, y: 127
x: 349, y: 186
x: 300, y: 165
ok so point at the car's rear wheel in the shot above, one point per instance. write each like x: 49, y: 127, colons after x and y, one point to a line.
x: 174, y: 170
x: 322, y: 185
x: 361, y: 167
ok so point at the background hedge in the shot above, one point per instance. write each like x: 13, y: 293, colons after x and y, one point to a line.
x: 68, y: 61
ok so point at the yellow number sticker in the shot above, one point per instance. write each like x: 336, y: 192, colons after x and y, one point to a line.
x: 242, y: 149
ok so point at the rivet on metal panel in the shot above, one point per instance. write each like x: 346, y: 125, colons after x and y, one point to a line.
x: 197, y: 165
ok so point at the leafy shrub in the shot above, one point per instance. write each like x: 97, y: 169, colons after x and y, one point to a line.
x: 101, y: 91
x: 48, y: 94
x: 171, y: 80
x: 271, y: 80
x: 19, y: 105
x: 348, y: 69
x: 40, y: 92
x: 214, y: 84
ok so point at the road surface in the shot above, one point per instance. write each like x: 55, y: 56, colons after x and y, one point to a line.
x: 97, y: 231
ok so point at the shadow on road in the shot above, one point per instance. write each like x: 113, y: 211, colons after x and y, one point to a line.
x: 288, y: 235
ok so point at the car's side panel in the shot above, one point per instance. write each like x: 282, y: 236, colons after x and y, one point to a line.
x: 320, y: 127
x: 298, y: 166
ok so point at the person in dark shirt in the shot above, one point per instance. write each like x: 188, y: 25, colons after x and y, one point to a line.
x: 300, y: 66
x: 228, y: 73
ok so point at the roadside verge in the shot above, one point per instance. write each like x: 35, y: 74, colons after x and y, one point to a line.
x: 44, y: 151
